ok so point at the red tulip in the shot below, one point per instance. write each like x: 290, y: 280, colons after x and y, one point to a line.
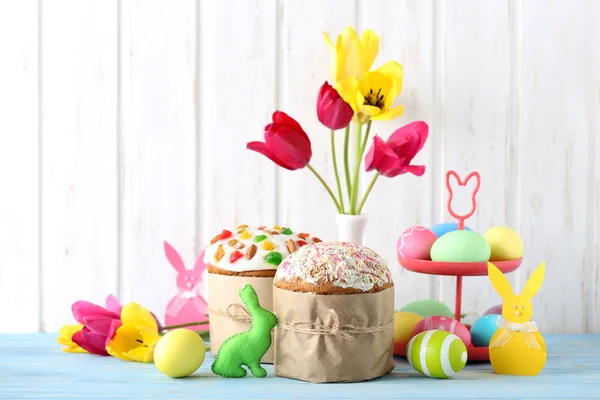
x: 99, y: 324
x: 393, y: 157
x: 286, y: 143
x: 332, y: 110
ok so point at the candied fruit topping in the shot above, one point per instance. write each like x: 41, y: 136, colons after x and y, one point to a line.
x: 225, y: 234
x: 287, y: 231
x: 245, y: 234
x: 274, y: 258
x: 260, y: 238
x: 236, y: 255
x: 267, y: 245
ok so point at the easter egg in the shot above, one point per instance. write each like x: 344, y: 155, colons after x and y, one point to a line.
x: 505, y: 243
x: 444, y: 324
x: 497, y: 309
x: 404, y: 324
x: 428, y: 308
x: 415, y: 243
x: 443, y: 228
x: 483, y: 329
x: 461, y: 246
x: 179, y: 353
x: 437, y: 354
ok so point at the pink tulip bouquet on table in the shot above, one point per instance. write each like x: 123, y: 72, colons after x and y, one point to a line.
x: 128, y: 332
x: 358, y: 96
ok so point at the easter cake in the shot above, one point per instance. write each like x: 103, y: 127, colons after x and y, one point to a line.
x: 252, y: 251
x: 324, y: 295
x: 243, y: 256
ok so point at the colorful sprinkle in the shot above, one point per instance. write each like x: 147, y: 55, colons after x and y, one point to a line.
x: 245, y: 234
x: 236, y: 255
x: 260, y: 238
x: 343, y: 264
x: 268, y: 245
x: 287, y: 231
x: 225, y: 234
x: 274, y: 258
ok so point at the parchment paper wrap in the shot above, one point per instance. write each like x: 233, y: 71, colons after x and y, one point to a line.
x: 335, y: 350
x: 226, y: 311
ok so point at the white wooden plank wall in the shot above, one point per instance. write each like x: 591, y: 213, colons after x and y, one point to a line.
x: 123, y: 123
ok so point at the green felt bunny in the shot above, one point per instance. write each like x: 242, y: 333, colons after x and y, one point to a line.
x: 247, y: 348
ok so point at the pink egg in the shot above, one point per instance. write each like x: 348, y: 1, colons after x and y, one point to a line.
x: 444, y: 324
x: 494, y: 310
x: 415, y: 243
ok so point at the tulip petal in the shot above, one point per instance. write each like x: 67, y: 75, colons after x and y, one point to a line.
x: 372, y: 111
x: 292, y: 148
x: 261, y: 148
x: 112, y: 304
x: 381, y: 158
x: 333, y: 56
x: 375, y: 84
x: 348, y: 90
x: 81, y: 341
x: 389, y: 114
x: 370, y: 48
x: 98, y: 323
x: 417, y: 170
x: 114, y: 326
x: 83, y: 308
x: 349, y: 54
x: 138, y: 354
x: 133, y: 313
x: 281, y: 118
x: 396, y: 71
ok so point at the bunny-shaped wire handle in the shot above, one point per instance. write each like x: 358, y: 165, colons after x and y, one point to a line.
x: 517, y: 347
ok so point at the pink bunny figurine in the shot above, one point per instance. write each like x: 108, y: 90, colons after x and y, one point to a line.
x: 188, y: 305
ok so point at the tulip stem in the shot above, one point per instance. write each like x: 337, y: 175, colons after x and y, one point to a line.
x: 164, y: 328
x: 362, y: 143
x: 362, y: 203
x: 346, y: 163
x: 335, y: 169
x: 337, y: 205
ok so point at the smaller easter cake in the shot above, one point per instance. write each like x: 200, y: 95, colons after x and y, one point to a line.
x: 461, y: 246
x: 253, y: 251
x: 334, y: 268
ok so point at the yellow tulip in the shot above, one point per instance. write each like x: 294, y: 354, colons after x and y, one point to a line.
x: 136, y: 338
x: 65, y: 338
x: 351, y: 56
x: 373, y: 96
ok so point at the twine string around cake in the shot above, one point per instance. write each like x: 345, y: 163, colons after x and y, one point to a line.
x: 235, y: 311
x: 334, y: 328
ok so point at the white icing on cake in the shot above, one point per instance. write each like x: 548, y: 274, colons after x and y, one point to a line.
x: 276, y: 237
x: 345, y: 265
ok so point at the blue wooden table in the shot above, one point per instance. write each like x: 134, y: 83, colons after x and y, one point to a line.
x: 34, y: 367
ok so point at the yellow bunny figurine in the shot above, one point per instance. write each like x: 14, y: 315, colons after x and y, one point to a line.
x: 517, y: 347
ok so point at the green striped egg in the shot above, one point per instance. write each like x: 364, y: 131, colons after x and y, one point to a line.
x: 436, y: 353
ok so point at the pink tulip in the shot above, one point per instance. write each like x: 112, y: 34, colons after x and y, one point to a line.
x: 393, y: 158
x: 332, y: 110
x: 286, y: 143
x: 99, y: 324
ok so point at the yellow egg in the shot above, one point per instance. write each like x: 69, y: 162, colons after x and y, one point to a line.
x: 505, y: 243
x: 404, y: 323
x: 179, y: 353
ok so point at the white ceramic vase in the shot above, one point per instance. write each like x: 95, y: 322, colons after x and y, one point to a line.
x: 351, y: 228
